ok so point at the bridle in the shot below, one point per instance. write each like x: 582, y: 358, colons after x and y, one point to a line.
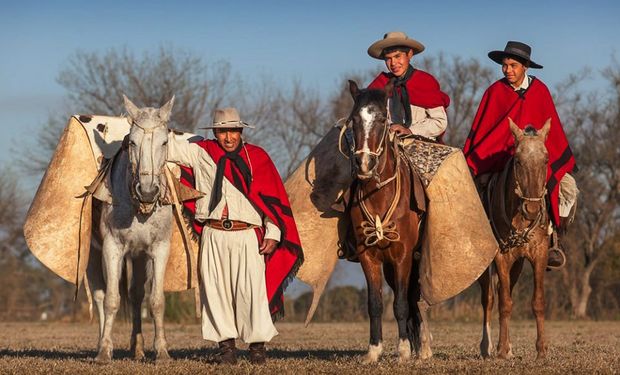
x: 134, y: 180
x: 516, y: 237
x: 374, y: 227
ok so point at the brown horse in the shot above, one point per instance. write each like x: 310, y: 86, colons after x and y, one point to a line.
x: 385, y: 226
x: 515, y: 202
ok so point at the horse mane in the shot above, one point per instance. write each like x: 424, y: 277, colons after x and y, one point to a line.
x: 530, y: 130
x: 366, y: 96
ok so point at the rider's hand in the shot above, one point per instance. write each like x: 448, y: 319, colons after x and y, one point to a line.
x: 399, y: 130
x: 268, y: 246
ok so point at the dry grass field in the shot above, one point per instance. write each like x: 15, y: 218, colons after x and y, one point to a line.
x: 69, y: 348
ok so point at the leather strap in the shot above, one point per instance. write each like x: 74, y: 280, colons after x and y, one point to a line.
x: 228, y: 225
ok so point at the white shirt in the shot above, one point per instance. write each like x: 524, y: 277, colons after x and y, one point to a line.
x: 191, y: 155
x: 525, y: 84
x: 427, y: 122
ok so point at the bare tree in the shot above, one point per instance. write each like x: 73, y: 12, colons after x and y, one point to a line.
x: 27, y: 288
x: 464, y: 81
x: 95, y: 83
x: 594, y: 123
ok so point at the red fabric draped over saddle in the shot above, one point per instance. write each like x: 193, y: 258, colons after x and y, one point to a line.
x: 423, y: 89
x: 267, y: 194
x: 490, y: 143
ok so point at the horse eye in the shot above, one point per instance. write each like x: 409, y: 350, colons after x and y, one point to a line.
x: 165, y: 143
x: 132, y: 143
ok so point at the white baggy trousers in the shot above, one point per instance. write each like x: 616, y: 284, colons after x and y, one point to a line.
x: 233, y: 290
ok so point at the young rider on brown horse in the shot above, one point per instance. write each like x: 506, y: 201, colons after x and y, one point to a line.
x: 417, y: 106
x: 527, y: 101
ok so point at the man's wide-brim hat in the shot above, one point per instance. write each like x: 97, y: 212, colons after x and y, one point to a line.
x: 515, y: 49
x: 227, y: 118
x: 394, y: 39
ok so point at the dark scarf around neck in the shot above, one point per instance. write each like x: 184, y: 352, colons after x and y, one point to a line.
x: 400, y: 110
x: 242, y: 167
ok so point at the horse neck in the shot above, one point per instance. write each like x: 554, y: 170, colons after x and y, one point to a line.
x: 120, y: 178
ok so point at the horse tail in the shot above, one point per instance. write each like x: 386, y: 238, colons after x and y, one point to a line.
x: 414, y: 321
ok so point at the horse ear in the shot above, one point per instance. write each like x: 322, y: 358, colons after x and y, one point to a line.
x: 353, y: 88
x: 516, y: 131
x: 131, y: 108
x: 166, y: 110
x: 545, y: 129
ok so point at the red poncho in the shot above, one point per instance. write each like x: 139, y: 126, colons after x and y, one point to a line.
x: 268, y: 196
x: 490, y: 143
x: 422, y: 87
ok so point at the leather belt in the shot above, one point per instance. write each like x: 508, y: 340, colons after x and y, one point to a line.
x: 228, y: 225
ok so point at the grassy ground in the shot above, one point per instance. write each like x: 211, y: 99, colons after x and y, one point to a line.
x: 51, y: 348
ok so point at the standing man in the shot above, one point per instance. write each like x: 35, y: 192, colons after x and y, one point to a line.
x: 249, y: 244
x: 527, y: 101
x: 417, y: 105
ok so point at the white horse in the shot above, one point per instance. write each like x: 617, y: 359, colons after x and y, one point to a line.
x: 135, y: 230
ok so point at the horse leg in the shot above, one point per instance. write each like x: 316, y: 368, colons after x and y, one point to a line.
x: 112, y: 261
x: 486, y: 299
x: 372, y: 271
x: 515, y: 272
x: 401, y: 305
x: 136, y: 296
x: 425, y: 332
x: 96, y: 283
x: 157, y: 300
x: 538, y: 304
x: 504, y: 348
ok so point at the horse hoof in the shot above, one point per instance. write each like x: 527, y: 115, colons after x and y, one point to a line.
x: 103, y: 357
x: 138, y: 356
x: 162, y: 357
x: 374, y: 352
x: 404, y: 351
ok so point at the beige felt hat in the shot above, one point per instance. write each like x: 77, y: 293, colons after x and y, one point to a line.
x: 393, y: 39
x: 227, y: 118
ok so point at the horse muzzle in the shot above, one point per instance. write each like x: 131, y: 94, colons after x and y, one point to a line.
x: 365, y: 166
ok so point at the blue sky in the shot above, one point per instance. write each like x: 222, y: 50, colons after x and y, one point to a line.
x: 316, y: 42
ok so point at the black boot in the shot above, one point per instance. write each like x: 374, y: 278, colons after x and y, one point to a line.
x: 227, y: 354
x: 258, y: 353
x: 556, y: 258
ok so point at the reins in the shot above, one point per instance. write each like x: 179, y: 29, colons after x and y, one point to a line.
x: 516, y: 237
x: 375, y: 228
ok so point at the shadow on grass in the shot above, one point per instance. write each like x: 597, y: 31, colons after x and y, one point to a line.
x: 204, y: 354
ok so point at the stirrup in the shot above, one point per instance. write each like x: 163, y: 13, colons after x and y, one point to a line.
x: 555, y: 247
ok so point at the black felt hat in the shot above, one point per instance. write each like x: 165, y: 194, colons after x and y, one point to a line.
x: 515, y: 49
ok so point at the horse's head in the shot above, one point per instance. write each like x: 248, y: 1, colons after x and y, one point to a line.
x: 530, y: 166
x: 369, y: 123
x: 147, y: 151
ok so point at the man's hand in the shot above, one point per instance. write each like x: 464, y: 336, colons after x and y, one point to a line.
x: 399, y: 130
x: 267, y: 247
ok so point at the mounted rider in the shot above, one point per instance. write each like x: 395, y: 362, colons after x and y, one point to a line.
x: 417, y: 104
x: 526, y: 100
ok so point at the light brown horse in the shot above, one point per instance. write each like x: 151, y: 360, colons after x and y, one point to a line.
x: 385, y: 225
x: 515, y: 202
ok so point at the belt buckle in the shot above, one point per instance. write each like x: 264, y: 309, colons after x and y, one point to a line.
x: 227, y: 224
